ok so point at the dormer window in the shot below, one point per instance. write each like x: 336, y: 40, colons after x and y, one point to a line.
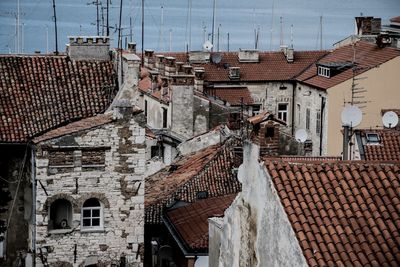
x: 324, y: 72
x: 372, y: 138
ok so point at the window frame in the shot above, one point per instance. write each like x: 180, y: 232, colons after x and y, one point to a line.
x: 308, y: 118
x: 283, y: 112
x: 92, y: 228
x: 324, y: 72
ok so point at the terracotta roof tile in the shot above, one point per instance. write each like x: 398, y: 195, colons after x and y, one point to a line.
x: 191, y: 221
x: 388, y: 149
x: 368, y: 55
x: 73, y: 127
x: 232, y: 95
x: 348, y: 228
x: 395, y: 19
x: 208, y: 170
x: 40, y: 93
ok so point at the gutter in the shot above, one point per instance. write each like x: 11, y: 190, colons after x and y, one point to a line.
x: 322, y: 125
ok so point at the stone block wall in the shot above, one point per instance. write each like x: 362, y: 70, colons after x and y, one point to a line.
x: 108, y: 164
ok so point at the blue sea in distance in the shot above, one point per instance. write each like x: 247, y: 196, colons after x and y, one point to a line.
x: 238, y: 18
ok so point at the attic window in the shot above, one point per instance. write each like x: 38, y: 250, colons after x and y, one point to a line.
x: 324, y: 72
x: 372, y: 138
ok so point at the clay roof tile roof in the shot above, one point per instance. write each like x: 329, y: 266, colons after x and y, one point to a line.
x: 368, y: 55
x: 395, y: 19
x: 40, y: 93
x: 387, y: 149
x: 349, y: 210
x: 209, y: 170
x: 232, y: 95
x: 191, y: 221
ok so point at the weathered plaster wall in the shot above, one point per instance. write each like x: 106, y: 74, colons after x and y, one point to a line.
x: 256, y: 230
x: 309, y: 97
x: 118, y: 184
x: 154, y: 113
x: 201, y: 109
x: 182, y: 110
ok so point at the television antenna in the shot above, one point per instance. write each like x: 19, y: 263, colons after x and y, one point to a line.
x: 207, y: 46
x: 390, y: 119
x: 351, y: 117
x: 301, y: 135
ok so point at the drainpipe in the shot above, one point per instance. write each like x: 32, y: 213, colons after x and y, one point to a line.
x: 33, y: 213
x: 322, y: 124
x: 293, y: 96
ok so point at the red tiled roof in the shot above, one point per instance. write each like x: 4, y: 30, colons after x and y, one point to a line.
x: 232, y: 95
x: 39, y: 93
x: 264, y: 116
x: 73, y: 127
x: 395, y: 19
x: 209, y: 169
x: 388, y: 149
x: 191, y: 221
x: 272, y: 66
x: 343, y: 213
x: 306, y: 159
x: 368, y: 55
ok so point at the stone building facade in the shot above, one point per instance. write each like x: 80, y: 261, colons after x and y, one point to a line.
x: 90, y: 192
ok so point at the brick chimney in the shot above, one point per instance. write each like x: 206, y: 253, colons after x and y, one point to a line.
x: 160, y: 64
x: 187, y: 69
x: 89, y: 48
x: 199, y: 78
x: 149, y: 58
x: 266, y: 135
x: 170, y: 66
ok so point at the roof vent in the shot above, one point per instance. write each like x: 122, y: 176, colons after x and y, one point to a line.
x: 234, y: 73
x: 249, y: 56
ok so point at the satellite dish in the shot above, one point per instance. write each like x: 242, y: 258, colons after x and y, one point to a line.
x: 301, y: 135
x: 216, y: 58
x: 207, y: 46
x: 351, y: 116
x: 390, y: 119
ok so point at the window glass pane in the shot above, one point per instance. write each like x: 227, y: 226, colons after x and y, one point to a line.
x: 95, y: 213
x: 92, y: 202
x: 86, y: 222
x: 86, y: 213
x: 95, y: 222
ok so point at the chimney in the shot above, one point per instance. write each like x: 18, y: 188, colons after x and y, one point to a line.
x: 179, y: 67
x: 160, y: 64
x: 154, y: 80
x: 234, y: 73
x: 170, y: 68
x: 89, y: 48
x: 148, y: 58
x: 132, y: 47
x: 187, y: 69
x: 290, y: 55
x: 248, y: 56
x: 164, y: 86
x: 199, y: 78
x: 199, y: 57
x: 182, y: 99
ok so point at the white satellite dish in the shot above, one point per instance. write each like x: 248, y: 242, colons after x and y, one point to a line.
x: 351, y: 116
x: 207, y: 46
x: 390, y: 119
x: 301, y: 135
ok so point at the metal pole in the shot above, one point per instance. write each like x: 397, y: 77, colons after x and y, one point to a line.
x: 346, y: 142
x: 97, y: 17
x: 228, y: 41
x: 108, y: 28
x: 213, y: 24
x: 55, y: 26
x: 142, y: 33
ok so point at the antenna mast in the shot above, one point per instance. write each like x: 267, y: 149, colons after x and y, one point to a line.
x: 108, y: 21
x: 213, y: 23
x: 142, y: 33
x: 272, y: 26
x: 320, y: 25
x: 281, y: 33
x: 291, y: 36
x: 55, y: 25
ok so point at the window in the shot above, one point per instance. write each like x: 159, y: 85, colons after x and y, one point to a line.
x: 283, y: 111
x: 372, y: 138
x: 60, y: 215
x: 318, y: 122
x: 308, y: 118
x: 324, y: 72
x: 270, y: 132
x: 308, y: 146
x: 165, y: 117
x: 298, y: 114
x: 92, y: 215
x: 157, y: 151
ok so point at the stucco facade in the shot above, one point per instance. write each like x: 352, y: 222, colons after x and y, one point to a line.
x: 381, y: 85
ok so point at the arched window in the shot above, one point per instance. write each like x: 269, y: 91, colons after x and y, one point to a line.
x: 92, y: 214
x: 60, y: 215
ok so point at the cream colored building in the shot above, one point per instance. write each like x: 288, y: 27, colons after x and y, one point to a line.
x: 376, y: 75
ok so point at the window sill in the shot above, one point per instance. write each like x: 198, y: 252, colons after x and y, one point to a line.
x: 60, y: 231
x: 92, y: 230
